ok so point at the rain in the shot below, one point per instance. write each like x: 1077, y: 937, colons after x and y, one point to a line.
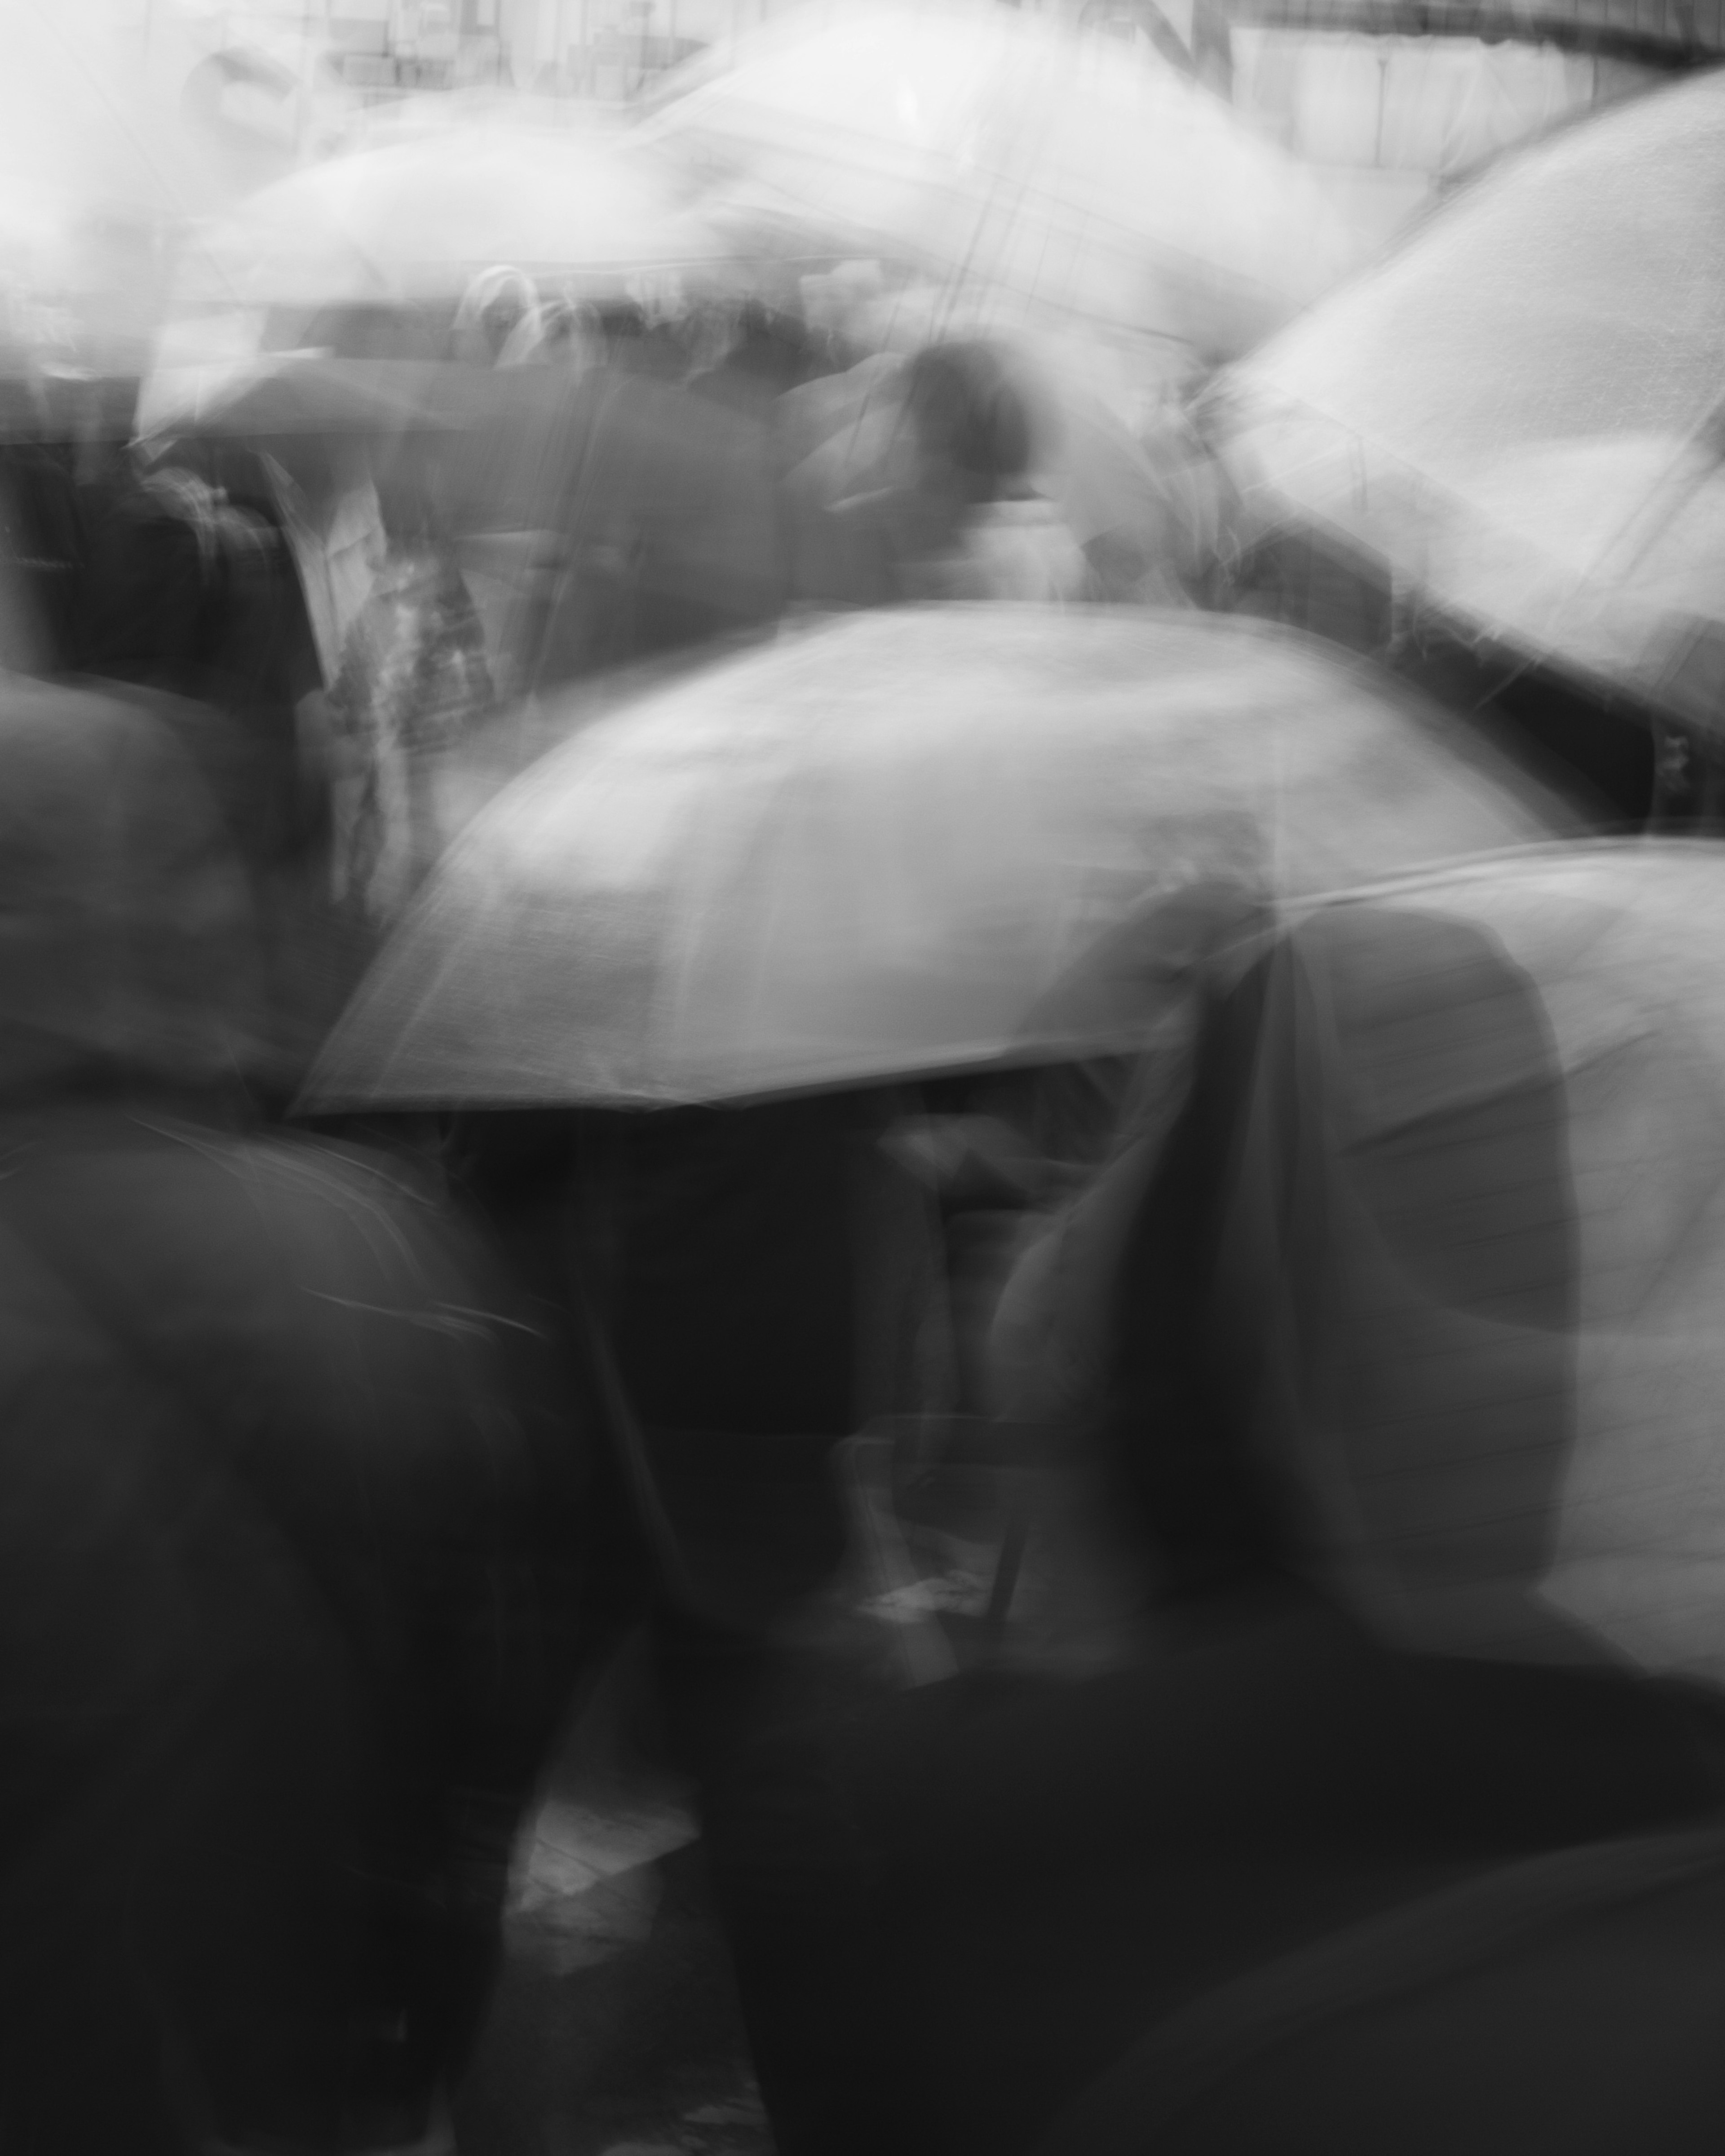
x: 862, y: 1132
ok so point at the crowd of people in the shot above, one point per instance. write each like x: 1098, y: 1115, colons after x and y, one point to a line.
x: 337, y: 1456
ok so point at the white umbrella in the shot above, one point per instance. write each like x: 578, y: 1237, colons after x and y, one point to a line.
x: 1544, y: 1428
x: 420, y: 217
x: 901, y: 843
x: 96, y: 174
x: 1516, y: 412
x: 1008, y: 156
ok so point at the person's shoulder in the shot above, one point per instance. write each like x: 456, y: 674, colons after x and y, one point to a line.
x: 252, y: 1194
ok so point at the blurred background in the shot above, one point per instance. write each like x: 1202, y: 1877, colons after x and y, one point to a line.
x: 1392, y: 98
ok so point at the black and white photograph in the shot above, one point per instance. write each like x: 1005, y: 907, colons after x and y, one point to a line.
x: 862, y: 1131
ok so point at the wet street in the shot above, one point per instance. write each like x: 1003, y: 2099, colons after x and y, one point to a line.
x: 643, y: 2051
x: 616, y: 2029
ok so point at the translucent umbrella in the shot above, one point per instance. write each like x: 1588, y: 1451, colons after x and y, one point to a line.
x: 420, y: 217
x: 82, y: 115
x: 1008, y: 156
x: 1517, y: 411
x: 1522, y: 1354
x: 96, y: 174
x: 902, y: 842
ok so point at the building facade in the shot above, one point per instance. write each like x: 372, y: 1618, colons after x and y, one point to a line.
x: 1391, y: 99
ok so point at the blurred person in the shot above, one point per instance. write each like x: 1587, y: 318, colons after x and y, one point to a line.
x: 963, y: 495
x: 955, y: 1909
x: 765, y: 1280
x: 196, y: 610
x: 492, y: 308
x: 985, y: 532
x: 760, y: 1272
x: 1004, y: 1154
x: 401, y: 664
x: 555, y: 334
x: 181, y: 588
x: 881, y: 509
x: 622, y: 324
x: 970, y: 471
x: 216, y: 591
x: 761, y: 353
x: 290, y: 1516
x: 414, y: 675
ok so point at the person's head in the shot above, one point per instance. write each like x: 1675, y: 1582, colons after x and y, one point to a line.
x: 969, y: 423
x: 494, y: 306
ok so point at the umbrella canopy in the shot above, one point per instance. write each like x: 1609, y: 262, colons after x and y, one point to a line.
x: 422, y: 216
x: 1519, y: 1249
x: 1517, y: 411
x: 301, y: 393
x: 83, y: 117
x: 1006, y: 155
x: 902, y: 842
x: 99, y: 173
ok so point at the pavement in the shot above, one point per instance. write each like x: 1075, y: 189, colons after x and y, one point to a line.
x: 615, y: 2029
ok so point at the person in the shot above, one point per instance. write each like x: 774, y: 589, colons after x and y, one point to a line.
x: 768, y: 1272
x: 556, y: 333
x: 414, y: 674
x: 1332, y: 1392
x: 191, y: 597
x: 764, y: 1280
x: 194, y: 613
x: 492, y: 308
x: 755, y: 354
x: 971, y: 437
x: 291, y: 1525
x: 972, y: 470
x: 890, y: 506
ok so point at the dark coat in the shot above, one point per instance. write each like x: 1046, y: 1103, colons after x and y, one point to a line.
x: 289, y: 1523
x: 288, y: 1519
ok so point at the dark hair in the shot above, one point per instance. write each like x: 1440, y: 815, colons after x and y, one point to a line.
x: 969, y: 414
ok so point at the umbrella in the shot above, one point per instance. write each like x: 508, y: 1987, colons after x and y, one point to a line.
x: 901, y: 842
x: 83, y: 114
x: 288, y: 393
x: 420, y: 217
x: 1522, y: 1354
x: 97, y: 174
x: 1007, y: 156
x: 1517, y: 411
